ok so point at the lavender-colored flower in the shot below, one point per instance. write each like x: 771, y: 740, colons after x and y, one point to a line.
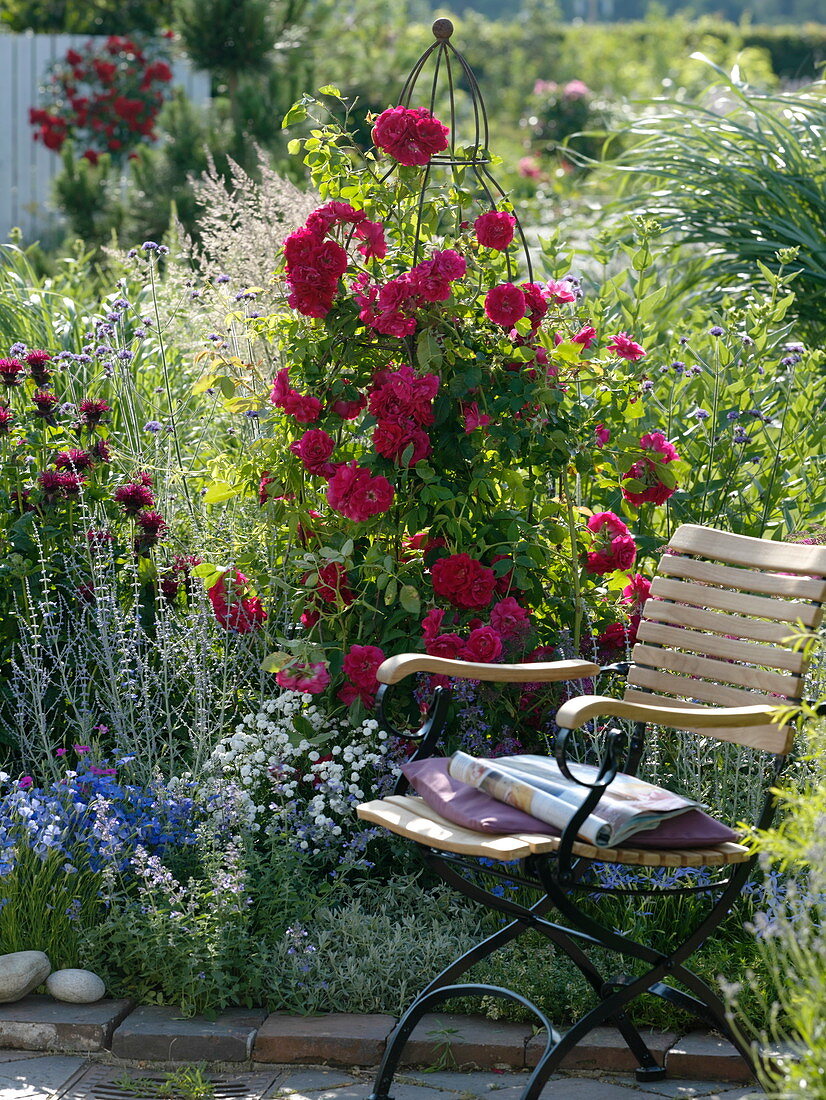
x: 716, y: 330
x: 700, y: 414
x: 149, y: 246
x: 120, y: 303
x: 740, y: 436
x: 746, y: 340
x: 163, y: 250
x: 114, y: 317
x: 222, y: 278
x: 647, y: 385
x: 131, y: 254
x: 139, y: 333
x: 152, y: 426
x: 732, y: 415
x: 678, y: 366
x: 683, y: 340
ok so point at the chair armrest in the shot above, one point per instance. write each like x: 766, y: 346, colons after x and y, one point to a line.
x: 405, y: 664
x: 575, y: 712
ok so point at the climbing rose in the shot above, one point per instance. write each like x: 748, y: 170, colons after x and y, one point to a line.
x: 391, y: 438
x: 483, y: 644
x: 495, y: 229
x: 508, y: 618
x: 616, y: 548
x: 450, y: 646
x: 360, y: 666
x: 411, y: 135
x: 637, y: 591
x: 233, y: 610
x: 356, y: 494
x: 473, y: 418
x: 603, y: 435
x: 463, y: 580
x: 505, y: 304
x: 586, y: 336
x: 646, y: 470
x: 626, y: 348
x: 314, y: 448
x: 560, y: 290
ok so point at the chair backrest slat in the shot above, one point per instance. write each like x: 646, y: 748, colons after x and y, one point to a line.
x: 723, y: 623
x: 743, y: 580
x: 725, y: 672
x: 727, y: 599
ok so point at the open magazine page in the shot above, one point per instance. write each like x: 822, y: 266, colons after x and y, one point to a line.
x: 525, y: 782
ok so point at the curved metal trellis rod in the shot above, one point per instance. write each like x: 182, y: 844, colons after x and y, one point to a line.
x: 475, y: 157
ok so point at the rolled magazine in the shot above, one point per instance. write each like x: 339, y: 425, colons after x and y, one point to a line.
x: 535, y: 785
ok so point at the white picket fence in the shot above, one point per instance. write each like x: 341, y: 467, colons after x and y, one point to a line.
x: 26, y: 166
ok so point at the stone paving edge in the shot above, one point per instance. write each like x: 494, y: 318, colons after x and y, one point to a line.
x: 250, y: 1036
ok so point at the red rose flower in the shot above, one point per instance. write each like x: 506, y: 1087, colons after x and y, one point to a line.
x: 391, y: 438
x: 505, y: 305
x: 509, y: 619
x: 647, y: 471
x: 314, y: 448
x: 411, y: 135
x: 450, y: 646
x: 616, y: 548
x: 495, y: 229
x: 333, y: 585
x: 311, y: 679
x: 463, y: 580
x: 233, y: 610
x: 360, y: 666
x: 356, y: 494
x: 483, y: 645
x: 626, y: 348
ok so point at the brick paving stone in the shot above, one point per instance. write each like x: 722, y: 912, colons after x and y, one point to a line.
x: 312, y: 1080
x: 466, y: 1040
x: 602, y: 1049
x: 40, y: 1076
x: 40, y: 1023
x: 686, y: 1090
x: 340, y: 1038
x: 159, y: 1033
x: 482, y: 1082
x: 699, y: 1056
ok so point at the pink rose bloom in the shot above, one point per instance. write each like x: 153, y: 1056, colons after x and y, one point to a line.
x: 575, y: 89
x: 280, y: 388
x: 356, y: 494
x: 314, y: 448
x: 537, y: 306
x: 360, y: 666
x: 637, y: 591
x: 505, y: 305
x: 508, y: 618
x: 586, y: 336
x: 495, y: 229
x: 473, y: 418
x: 560, y: 290
x: 333, y: 213
x: 603, y: 435
x: 483, y: 645
x: 402, y: 395
x: 646, y: 470
x: 529, y: 169
x: 311, y: 679
x: 626, y: 348
x: 411, y: 135
x: 449, y: 264
x: 463, y: 580
x: 615, y: 546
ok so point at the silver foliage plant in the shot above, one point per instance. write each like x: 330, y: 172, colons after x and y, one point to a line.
x: 157, y: 684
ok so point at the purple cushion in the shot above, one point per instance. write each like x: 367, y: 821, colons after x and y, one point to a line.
x: 473, y: 809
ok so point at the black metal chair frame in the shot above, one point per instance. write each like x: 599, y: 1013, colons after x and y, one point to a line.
x: 558, y: 876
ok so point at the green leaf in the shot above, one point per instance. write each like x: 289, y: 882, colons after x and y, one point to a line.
x: 274, y: 662
x: 303, y: 729
x: 391, y: 591
x: 226, y: 386
x: 330, y: 89
x: 218, y: 491
x: 293, y: 146
x: 409, y: 599
x: 296, y: 113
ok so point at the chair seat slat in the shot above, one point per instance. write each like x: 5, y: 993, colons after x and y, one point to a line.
x: 736, y: 626
x: 729, y: 648
x: 726, y: 599
x: 410, y: 816
x: 755, y: 553
x: 690, y: 664
x: 743, y: 580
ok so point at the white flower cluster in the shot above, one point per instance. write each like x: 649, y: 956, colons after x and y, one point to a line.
x: 298, y: 770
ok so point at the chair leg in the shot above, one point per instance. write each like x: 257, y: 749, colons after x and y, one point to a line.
x: 424, y: 1003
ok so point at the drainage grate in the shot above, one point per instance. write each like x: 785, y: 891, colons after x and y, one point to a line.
x: 106, y: 1083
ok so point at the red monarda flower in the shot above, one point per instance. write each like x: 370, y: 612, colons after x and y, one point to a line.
x: 56, y: 484
x: 73, y: 459
x: 37, y: 361
x: 133, y: 497
x: 6, y: 418
x: 411, y: 135
x: 152, y: 526
x: 12, y: 372
x: 91, y: 412
x: 44, y: 402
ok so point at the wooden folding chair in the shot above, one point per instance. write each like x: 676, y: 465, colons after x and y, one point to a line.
x: 715, y: 658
